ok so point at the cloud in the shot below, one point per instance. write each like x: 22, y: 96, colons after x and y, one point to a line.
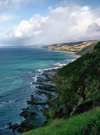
x: 63, y: 24
x: 92, y: 32
x: 5, y: 17
x: 15, y: 3
x: 94, y: 27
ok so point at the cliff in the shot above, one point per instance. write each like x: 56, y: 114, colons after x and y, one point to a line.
x: 76, y: 110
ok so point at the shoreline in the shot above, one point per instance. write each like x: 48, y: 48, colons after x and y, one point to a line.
x: 74, y: 53
x: 43, y: 86
x: 39, y: 101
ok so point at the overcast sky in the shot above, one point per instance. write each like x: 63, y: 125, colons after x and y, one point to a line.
x: 33, y: 22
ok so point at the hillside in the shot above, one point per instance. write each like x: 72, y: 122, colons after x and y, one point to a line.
x: 79, y: 85
x: 79, y: 48
x: 77, y: 106
x: 87, y: 123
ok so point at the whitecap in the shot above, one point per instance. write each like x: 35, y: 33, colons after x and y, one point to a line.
x: 35, y: 78
x: 73, y: 59
x: 60, y: 65
x: 40, y: 71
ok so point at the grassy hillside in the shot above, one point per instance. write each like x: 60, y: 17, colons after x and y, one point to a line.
x: 79, y: 47
x: 79, y: 83
x: 87, y: 49
x: 77, y: 106
x: 87, y: 123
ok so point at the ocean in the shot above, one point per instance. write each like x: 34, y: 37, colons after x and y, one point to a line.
x: 19, y: 68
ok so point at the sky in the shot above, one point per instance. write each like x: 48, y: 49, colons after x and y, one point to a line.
x: 45, y: 22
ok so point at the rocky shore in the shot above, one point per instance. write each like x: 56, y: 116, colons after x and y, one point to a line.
x: 39, y: 101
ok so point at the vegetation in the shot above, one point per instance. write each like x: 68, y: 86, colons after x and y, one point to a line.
x: 78, y: 101
x: 79, y: 82
x: 87, y: 49
x: 87, y: 123
x: 79, y: 47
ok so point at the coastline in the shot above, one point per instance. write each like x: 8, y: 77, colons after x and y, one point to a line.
x: 62, y: 111
x: 82, y: 97
x: 29, y: 76
x: 44, y: 86
x: 39, y: 102
x: 74, y: 53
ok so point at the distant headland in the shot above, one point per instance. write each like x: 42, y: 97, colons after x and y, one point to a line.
x: 79, y: 48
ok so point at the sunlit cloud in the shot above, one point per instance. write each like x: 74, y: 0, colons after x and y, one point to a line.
x: 63, y: 24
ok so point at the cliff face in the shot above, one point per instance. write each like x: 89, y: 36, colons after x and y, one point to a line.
x: 79, y: 86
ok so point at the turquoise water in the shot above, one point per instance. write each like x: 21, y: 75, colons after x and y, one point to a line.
x: 17, y: 69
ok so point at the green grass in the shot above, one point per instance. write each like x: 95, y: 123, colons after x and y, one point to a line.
x: 87, y: 123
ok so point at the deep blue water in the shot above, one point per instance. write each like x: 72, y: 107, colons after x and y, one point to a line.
x: 17, y: 70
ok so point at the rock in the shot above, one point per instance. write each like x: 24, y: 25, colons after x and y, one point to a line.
x: 33, y: 114
x: 13, y: 127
